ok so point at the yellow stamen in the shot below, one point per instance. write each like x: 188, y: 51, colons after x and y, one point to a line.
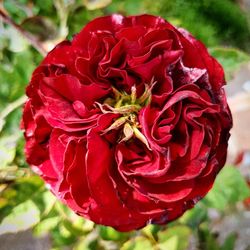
x: 117, y: 124
x: 141, y: 137
x: 133, y: 94
x: 128, y: 106
x: 128, y: 132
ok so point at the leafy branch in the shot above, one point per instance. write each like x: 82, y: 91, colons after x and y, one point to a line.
x: 11, y: 107
x: 30, y: 38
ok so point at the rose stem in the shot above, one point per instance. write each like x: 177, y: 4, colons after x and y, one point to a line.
x: 31, y: 39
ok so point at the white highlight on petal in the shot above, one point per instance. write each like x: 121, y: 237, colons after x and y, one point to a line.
x: 118, y: 19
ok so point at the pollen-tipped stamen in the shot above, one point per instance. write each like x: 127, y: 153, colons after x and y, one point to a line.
x: 127, y: 105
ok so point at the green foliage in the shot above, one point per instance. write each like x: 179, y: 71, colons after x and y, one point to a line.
x: 229, y: 188
x: 211, y: 21
x: 24, y: 200
x: 108, y: 233
x: 22, y: 217
x: 137, y: 243
x: 7, y: 150
x: 195, y: 217
x: 229, y: 243
x: 230, y: 58
x: 206, y: 239
x: 15, y: 69
x: 46, y: 225
x: 27, y: 202
x: 226, y: 13
x: 17, y: 9
x: 174, y: 238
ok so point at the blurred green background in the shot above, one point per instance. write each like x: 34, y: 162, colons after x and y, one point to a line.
x: 26, y: 204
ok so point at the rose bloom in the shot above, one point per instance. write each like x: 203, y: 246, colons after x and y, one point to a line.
x: 128, y: 123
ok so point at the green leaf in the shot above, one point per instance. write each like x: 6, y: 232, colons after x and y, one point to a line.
x: 229, y: 188
x: 45, y: 7
x: 84, y: 224
x: 7, y: 111
x: 45, y: 201
x: 16, y: 9
x: 151, y: 231
x: 24, y: 189
x: 43, y: 28
x: 15, y: 72
x: 7, y: 150
x: 137, y: 243
x: 229, y: 242
x: 174, y: 238
x: 230, y: 58
x: 25, y: 198
x: 87, y: 243
x: 108, y: 233
x: 206, y: 239
x: 62, y: 237
x: 45, y: 226
x: 194, y: 217
x: 132, y: 6
x: 72, y: 228
x: 22, y: 217
x: 170, y: 244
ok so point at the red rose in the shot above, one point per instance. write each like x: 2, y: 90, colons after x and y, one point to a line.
x: 128, y: 123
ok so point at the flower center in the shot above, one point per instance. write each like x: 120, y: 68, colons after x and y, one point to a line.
x: 128, y: 106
